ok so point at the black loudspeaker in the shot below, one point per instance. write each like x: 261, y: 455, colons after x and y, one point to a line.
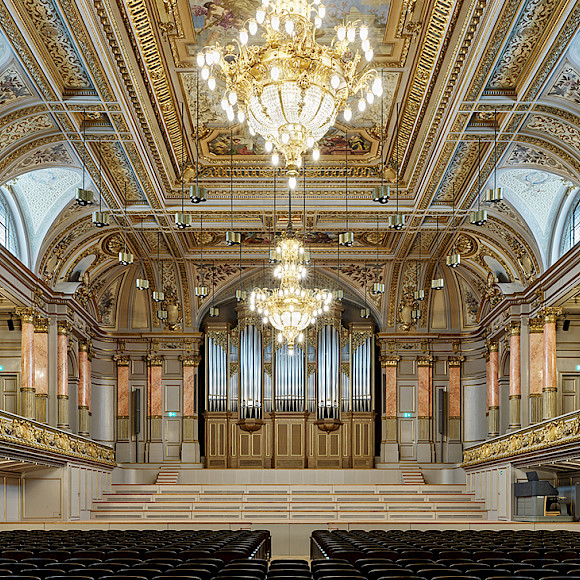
x: 136, y: 396
x: 10, y: 323
x: 441, y: 410
x: 566, y: 325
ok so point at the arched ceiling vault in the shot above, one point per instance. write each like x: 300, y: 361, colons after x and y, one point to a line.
x: 103, y: 82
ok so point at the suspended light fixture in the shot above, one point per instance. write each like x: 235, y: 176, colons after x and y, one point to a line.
x: 201, y: 291
x: 84, y: 197
x: 494, y: 194
x: 346, y: 238
x: 287, y: 86
x: 453, y: 259
x: 100, y: 217
x: 397, y: 221
x: 419, y: 293
x: 232, y: 238
x: 290, y: 308
x: 182, y: 220
x: 378, y: 287
x: 197, y: 194
x: 339, y: 293
x: 142, y: 283
x: 478, y: 217
x: 437, y: 282
x: 304, y: 236
x: 159, y: 295
x: 125, y: 256
x: 365, y: 312
x: 382, y: 193
x: 240, y: 294
x: 273, y: 257
x: 214, y: 310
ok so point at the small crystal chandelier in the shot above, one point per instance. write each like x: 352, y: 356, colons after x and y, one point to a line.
x: 397, y: 220
x: 437, y: 283
x: 84, y: 196
x: 382, y: 193
x: 214, y: 310
x: 291, y: 308
x: 159, y: 295
x: 182, y: 220
x: 197, y: 194
x: 289, y: 88
x: 125, y: 256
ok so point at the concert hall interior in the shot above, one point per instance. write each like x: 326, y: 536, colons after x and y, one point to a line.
x: 290, y: 277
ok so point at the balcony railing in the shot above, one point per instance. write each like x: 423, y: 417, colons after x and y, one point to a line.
x: 24, y: 438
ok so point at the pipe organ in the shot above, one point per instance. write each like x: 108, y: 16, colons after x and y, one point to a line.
x: 269, y: 407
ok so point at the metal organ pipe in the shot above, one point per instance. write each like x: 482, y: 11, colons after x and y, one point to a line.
x: 361, y: 377
x: 328, y: 373
x: 251, y: 372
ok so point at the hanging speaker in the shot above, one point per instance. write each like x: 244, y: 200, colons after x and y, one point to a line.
x: 11, y: 323
x: 565, y: 326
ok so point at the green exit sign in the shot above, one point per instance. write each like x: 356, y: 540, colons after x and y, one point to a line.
x: 406, y: 415
x: 172, y: 414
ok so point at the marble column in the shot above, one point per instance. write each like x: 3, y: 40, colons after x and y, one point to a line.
x: 190, y: 451
x: 515, y: 376
x: 26, y: 407
x: 536, y: 368
x: 389, y: 438
x: 84, y: 390
x: 155, y: 408
x: 425, y: 448
x: 454, y: 431
x: 62, y: 375
x: 41, y: 369
x: 123, y: 424
x: 493, y: 390
x: 550, y: 387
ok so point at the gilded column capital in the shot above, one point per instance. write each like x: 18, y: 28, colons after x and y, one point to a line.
x: 26, y: 314
x: 536, y: 325
x: 425, y: 361
x: 389, y: 361
x: 494, y: 346
x: 154, y: 360
x: 84, y: 345
x: 515, y: 327
x: 41, y: 324
x: 455, y: 361
x: 189, y: 360
x: 122, y: 360
x: 551, y: 314
x: 63, y: 327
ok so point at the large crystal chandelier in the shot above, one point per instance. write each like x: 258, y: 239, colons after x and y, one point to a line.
x: 289, y: 88
x: 291, y: 308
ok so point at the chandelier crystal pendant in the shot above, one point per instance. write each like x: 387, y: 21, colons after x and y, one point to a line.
x: 289, y: 88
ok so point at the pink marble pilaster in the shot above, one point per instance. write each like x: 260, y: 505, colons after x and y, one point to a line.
x: 536, y: 359
x: 190, y: 364
x: 389, y: 365
x: 155, y: 385
x: 123, y: 362
x: 41, y: 356
x: 27, y: 362
x: 487, y: 382
x: 62, y: 360
x: 425, y: 380
x: 515, y: 367
x: 550, y: 355
x: 63, y: 328
x: 455, y: 386
x: 493, y: 375
x: 84, y: 376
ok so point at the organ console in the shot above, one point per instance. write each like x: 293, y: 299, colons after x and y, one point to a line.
x: 268, y: 407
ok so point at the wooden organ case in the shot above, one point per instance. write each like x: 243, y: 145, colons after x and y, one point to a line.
x: 269, y: 408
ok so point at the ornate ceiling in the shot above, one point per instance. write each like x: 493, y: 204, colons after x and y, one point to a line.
x: 126, y: 66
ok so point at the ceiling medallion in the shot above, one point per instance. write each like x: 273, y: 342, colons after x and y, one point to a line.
x: 290, y: 88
